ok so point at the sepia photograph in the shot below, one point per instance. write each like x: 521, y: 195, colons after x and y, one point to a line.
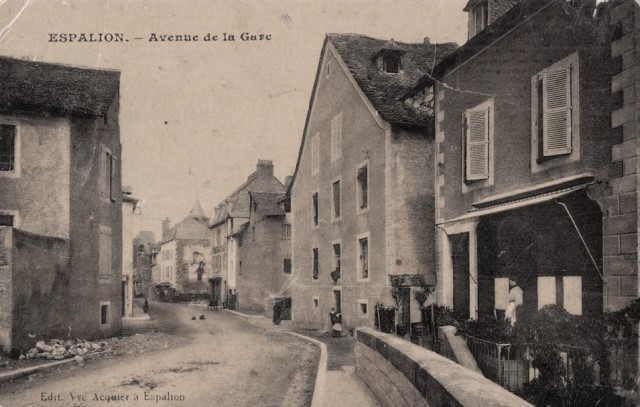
x: 319, y: 203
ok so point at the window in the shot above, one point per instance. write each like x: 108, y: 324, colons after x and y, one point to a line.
x: 316, y: 264
x: 108, y: 180
x: 315, y: 208
x: 335, y: 192
x: 286, y: 231
x: 316, y: 302
x: 6, y: 220
x: 104, y: 254
x: 327, y: 69
x: 363, y: 258
x: 315, y: 154
x: 335, y: 273
x: 287, y: 266
x: 479, y: 19
x: 392, y: 63
x: 104, y: 313
x: 477, y: 142
x: 363, y: 306
x: 363, y: 187
x: 7, y: 148
x: 336, y: 137
x: 554, y: 123
x: 240, y: 239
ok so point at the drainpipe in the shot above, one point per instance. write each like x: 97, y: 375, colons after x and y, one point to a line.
x: 584, y: 243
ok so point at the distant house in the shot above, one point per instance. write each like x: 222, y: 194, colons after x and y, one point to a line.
x: 60, y: 203
x: 264, y: 276
x: 231, y: 216
x: 183, y: 261
x: 536, y: 152
x: 362, y: 194
x: 144, y: 248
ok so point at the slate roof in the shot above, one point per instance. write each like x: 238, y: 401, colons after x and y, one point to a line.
x: 267, y: 203
x: 55, y: 88
x: 187, y: 229
x: 387, y: 91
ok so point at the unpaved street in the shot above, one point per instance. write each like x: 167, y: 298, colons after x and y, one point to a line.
x: 228, y: 361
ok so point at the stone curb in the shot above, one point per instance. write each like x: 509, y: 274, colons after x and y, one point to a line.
x: 5, y: 377
x: 321, y: 375
x: 242, y: 314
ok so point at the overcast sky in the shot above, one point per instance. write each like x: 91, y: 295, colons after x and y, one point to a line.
x: 195, y: 117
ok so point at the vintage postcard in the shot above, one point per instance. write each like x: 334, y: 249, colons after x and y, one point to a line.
x: 319, y: 202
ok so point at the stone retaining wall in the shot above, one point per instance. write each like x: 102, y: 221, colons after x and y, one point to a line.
x: 401, y: 373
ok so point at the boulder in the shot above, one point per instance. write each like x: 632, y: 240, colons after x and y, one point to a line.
x: 79, y: 359
x: 43, y: 347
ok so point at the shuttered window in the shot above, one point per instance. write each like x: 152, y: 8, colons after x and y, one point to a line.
x: 114, y: 180
x: 476, y: 125
x: 104, y: 255
x: 336, y: 137
x: 556, y: 114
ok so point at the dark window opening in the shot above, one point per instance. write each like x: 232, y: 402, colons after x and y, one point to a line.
x: 316, y: 265
x: 315, y: 209
x: 6, y: 220
x: 336, y: 199
x: 392, y: 63
x: 364, y: 257
x: 7, y: 148
x: 287, y: 266
x: 363, y: 186
x: 104, y: 314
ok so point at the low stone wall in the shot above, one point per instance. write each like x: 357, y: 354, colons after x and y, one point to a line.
x: 401, y: 373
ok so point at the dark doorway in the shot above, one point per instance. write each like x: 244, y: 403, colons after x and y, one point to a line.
x: 405, y: 306
x: 460, y: 260
x: 336, y: 298
x: 124, y: 295
x: 216, y: 291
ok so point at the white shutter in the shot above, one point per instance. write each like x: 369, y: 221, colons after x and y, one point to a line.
x: 556, y: 117
x: 477, y: 143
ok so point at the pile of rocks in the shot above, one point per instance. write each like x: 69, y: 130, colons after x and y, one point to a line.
x: 57, y: 349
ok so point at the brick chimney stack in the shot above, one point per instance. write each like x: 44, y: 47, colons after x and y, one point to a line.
x: 166, y: 225
x: 264, y: 168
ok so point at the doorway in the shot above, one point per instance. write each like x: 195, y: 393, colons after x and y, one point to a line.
x: 460, y: 261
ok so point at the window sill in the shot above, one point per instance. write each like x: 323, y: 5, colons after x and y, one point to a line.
x: 10, y: 174
x: 361, y: 211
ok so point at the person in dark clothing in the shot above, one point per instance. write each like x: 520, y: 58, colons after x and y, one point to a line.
x: 145, y: 307
x: 277, y: 314
x: 336, y: 323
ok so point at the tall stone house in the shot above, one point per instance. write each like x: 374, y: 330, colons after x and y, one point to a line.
x: 183, y: 260
x: 362, y: 193
x: 60, y: 203
x: 536, y: 167
x: 264, y: 275
x: 228, y: 222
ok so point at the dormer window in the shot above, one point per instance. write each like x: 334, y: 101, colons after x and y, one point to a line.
x: 478, y: 16
x: 389, y: 57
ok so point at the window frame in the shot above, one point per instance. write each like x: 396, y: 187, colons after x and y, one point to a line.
x: 315, y: 154
x: 286, y: 231
x: 336, y: 261
x: 315, y: 264
x: 102, y: 276
x: 336, y: 137
x: 359, y: 257
x: 484, y: 7
x: 284, y: 266
x: 336, y: 217
x: 361, y: 302
x: 17, y: 153
x: 539, y: 161
x: 315, y: 209
x: 359, y: 208
x: 473, y: 184
x: 108, y: 318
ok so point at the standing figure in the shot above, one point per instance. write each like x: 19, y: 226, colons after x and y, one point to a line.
x: 277, y: 314
x: 200, y: 270
x: 336, y: 323
x: 515, y: 300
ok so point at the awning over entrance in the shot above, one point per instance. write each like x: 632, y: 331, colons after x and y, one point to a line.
x: 525, y: 197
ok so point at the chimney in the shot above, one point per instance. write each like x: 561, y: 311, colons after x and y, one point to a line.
x: 426, y: 41
x: 166, y: 225
x: 287, y: 181
x: 264, y: 168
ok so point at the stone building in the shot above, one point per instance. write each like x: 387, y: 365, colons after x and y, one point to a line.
x: 536, y: 167
x: 183, y: 261
x: 129, y: 204
x: 144, y: 247
x: 230, y: 216
x: 362, y: 193
x: 60, y: 203
x: 264, y: 274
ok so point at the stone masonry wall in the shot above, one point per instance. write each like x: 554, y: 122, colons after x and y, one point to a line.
x: 6, y: 294
x: 620, y: 217
x: 401, y: 373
